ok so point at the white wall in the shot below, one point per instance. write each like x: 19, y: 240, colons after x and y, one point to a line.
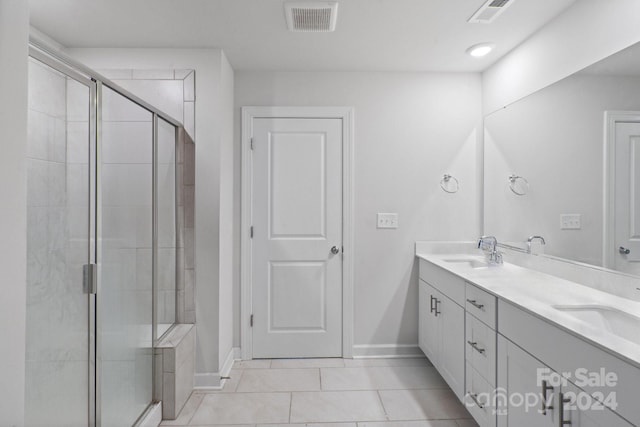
x: 14, y: 33
x: 585, y: 33
x: 228, y: 276
x: 410, y: 129
x: 213, y: 138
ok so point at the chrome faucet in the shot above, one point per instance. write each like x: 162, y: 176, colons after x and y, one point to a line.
x: 531, y: 239
x: 492, y: 254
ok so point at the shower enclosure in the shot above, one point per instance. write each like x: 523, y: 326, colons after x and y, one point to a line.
x: 102, y: 212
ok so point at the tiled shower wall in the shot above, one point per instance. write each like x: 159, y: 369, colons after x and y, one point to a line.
x: 173, y: 92
x: 186, y: 232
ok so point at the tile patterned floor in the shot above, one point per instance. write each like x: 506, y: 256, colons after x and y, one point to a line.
x: 328, y: 393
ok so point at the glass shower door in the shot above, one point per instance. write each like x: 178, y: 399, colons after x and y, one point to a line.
x: 125, y: 230
x: 59, y: 346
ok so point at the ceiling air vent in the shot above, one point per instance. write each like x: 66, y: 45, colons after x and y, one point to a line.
x: 490, y: 11
x: 314, y: 17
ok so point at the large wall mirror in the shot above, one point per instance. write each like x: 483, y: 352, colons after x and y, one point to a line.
x: 564, y: 163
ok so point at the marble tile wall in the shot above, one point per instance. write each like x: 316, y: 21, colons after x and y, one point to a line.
x: 173, y: 92
x: 175, y: 364
x: 187, y: 310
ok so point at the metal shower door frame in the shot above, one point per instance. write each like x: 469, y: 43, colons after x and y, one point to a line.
x: 96, y: 82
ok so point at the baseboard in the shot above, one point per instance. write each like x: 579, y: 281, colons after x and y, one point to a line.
x: 237, y: 353
x: 151, y: 418
x: 386, y: 351
x: 228, y: 363
x: 207, y: 381
x: 213, y: 380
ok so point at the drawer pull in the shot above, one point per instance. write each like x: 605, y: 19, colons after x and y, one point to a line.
x: 474, y: 345
x: 475, y: 304
x: 431, y: 303
x: 561, y: 421
x: 436, y: 306
x: 545, y: 389
x: 474, y: 397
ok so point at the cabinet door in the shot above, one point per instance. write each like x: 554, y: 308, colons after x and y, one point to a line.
x: 581, y: 410
x: 451, y: 317
x: 429, y: 330
x: 523, y: 396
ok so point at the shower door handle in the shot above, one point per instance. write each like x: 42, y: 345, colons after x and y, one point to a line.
x: 89, y: 278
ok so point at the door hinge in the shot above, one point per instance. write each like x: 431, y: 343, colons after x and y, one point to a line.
x: 251, y: 142
x: 251, y: 321
x: 251, y: 232
x: 89, y: 278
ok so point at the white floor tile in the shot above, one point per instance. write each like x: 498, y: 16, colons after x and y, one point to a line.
x: 412, y: 361
x: 223, y: 425
x: 252, y: 364
x: 331, y: 425
x: 345, y: 406
x: 422, y: 423
x: 467, y: 423
x: 243, y: 408
x: 280, y: 425
x: 271, y: 380
x: 432, y: 404
x: 381, y: 378
x: 307, y: 363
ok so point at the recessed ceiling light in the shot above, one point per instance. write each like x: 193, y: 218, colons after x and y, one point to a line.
x: 480, y: 50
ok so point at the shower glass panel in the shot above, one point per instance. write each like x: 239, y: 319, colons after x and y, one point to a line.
x: 166, y: 201
x: 101, y: 192
x: 58, y: 245
x: 125, y: 293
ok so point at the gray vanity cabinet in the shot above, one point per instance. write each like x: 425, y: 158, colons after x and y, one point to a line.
x: 441, y: 334
x: 555, y: 403
x: 518, y: 378
x: 576, y: 410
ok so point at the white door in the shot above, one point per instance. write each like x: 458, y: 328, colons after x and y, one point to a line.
x: 627, y: 197
x: 297, y: 238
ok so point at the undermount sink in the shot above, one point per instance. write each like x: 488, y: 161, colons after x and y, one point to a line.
x: 468, y: 262
x: 614, y: 321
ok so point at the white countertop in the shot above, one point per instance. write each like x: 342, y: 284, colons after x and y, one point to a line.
x: 538, y: 292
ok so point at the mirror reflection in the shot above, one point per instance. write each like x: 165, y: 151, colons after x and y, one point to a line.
x: 564, y: 164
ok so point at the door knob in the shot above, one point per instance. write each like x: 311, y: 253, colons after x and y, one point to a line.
x: 624, y: 251
x: 335, y: 250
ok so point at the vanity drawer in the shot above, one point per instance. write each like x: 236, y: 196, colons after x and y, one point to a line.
x: 447, y: 283
x: 480, y: 348
x: 478, y: 398
x: 481, y: 304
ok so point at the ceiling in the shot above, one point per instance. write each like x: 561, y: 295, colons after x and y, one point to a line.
x: 371, y: 35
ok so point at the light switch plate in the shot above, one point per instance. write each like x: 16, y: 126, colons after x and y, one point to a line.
x: 570, y: 221
x: 387, y: 220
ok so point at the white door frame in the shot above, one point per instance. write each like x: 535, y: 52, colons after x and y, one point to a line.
x: 611, y: 119
x: 347, y: 116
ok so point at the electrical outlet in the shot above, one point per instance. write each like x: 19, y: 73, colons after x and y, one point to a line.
x: 387, y: 220
x: 570, y: 221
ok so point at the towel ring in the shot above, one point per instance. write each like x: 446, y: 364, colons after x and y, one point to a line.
x: 518, y: 185
x: 449, y: 184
